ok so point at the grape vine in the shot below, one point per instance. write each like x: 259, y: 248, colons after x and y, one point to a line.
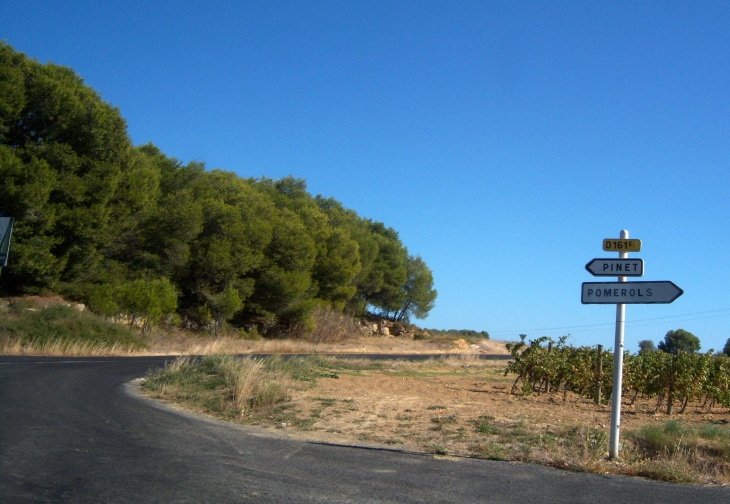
x: 679, y: 378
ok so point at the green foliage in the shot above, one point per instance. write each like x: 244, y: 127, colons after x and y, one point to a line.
x: 224, y: 305
x: 420, y: 296
x: 101, y: 221
x: 65, y: 326
x: 726, y: 349
x: 682, y: 376
x: 102, y: 300
x: 384, y: 286
x: 679, y: 340
x: 646, y: 346
x: 148, y: 300
x: 226, y: 385
x: 460, y: 333
x: 675, y: 439
x: 559, y: 365
x: 65, y: 152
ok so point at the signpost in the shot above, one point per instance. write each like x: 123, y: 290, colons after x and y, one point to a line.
x: 622, y: 293
x: 615, y: 267
x: 622, y: 244
x: 6, y: 230
x: 629, y: 293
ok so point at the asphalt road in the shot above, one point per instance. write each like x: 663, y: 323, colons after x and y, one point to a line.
x: 70, y: 431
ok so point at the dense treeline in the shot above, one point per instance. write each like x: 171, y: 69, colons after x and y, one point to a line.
x: 129, y: 229
x: 464, y: 333
x: 671, y: 378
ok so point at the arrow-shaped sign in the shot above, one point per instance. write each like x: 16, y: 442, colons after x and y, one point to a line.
x: 616, y: 267
x: 6, y: 230
x: 630, y: 292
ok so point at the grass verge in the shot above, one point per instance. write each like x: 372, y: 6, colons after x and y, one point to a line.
x: 224, y: 385
x: 457, y: 407
x: 62, y: 330
x: 678, y: 452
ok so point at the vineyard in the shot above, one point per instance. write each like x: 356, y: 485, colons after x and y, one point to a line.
x: 679, y: 378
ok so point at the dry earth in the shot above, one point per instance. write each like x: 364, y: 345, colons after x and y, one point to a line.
x: 462, y: 406
x: 162, y: 344
x: 438, y: 410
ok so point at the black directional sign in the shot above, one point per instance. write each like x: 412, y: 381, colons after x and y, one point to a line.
x: 616, y: 267
x: 629, y: 292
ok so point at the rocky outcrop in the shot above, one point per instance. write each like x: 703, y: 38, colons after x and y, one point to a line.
x: 375, y: 326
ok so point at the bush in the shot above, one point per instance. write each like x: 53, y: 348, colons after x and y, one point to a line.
x: 331, y: 325
x: 38, y: 327
x: 224, y: 384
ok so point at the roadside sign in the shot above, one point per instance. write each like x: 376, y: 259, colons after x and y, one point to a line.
x: 616, y: 267
x: 630, y: 292
x: 621, y: 245
x: 6, y: 230
x: 622, y: 293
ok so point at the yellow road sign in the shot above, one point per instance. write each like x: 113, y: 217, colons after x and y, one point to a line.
x: 619, y: 245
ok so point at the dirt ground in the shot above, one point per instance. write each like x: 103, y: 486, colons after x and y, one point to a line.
x: 438, y: 411
x: 161, y: 344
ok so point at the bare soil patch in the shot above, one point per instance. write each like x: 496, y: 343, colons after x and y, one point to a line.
x: 462, y: 406
x: 401, y: 406
x: 185, y: 344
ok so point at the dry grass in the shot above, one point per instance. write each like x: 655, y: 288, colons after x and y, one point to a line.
x: 65, y: 348
x: 331, y: 326
x: 461, y: 406
x: 334, y: 333
x: 180, y: 343
x: 224, y: 385
x: 54, y: 328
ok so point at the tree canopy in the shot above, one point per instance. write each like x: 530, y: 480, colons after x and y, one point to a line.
x: 679, y: 340
x: 112, y: 224
x: 646, y: 346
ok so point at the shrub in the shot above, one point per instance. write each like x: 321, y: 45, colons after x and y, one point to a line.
x: 64, y: 326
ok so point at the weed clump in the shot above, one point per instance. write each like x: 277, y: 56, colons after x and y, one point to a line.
x: 226, y: 385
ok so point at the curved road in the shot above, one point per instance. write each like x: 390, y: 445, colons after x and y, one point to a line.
x: 71, y: 432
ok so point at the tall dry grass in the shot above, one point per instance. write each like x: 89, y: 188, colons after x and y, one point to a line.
x: 329, y: 326
x: 227, y: 385
x: 64, y: 348
x: 56, y: 329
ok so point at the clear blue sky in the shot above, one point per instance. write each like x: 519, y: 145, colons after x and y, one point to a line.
x: 502, y: 140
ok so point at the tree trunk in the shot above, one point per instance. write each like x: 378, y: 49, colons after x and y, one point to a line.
x: 670, y: 401
x: 634, y: 398
x: 684, y: 406
x: 515, y: 384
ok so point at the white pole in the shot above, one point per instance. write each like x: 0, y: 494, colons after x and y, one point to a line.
x: 618, y: 367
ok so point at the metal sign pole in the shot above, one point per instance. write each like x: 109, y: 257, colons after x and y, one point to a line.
x: 618, y: 368
x: 5, y: 288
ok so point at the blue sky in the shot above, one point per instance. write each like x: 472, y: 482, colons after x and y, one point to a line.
x: 502, y: 140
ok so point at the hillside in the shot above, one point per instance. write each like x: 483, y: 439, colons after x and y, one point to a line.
x: 127, y: 230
